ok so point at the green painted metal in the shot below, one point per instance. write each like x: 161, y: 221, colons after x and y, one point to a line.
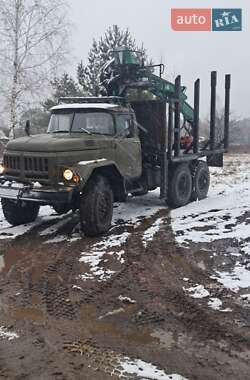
x: 127, y: 72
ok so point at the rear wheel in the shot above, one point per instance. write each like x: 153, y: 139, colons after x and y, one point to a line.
x: 180, y: 186
x: 17, y: 213
x: 96, y: 206
x: 201, y: 181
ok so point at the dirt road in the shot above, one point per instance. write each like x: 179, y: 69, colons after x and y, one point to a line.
x: 164, y: 295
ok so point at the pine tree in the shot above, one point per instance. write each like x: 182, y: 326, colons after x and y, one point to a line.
x: 100, y: 53
x: 62, y: 86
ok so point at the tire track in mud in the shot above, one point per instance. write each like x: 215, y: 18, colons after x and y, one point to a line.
x: 51, y: 277
x: 157, y: 301
x: 152, y: 275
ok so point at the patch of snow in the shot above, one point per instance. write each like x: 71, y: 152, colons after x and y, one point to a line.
x: 144, y: 370
x: 86, y: 276
x: 56, y: 239
x: 151, y: 231
x: 215, y: 303
x: 8, y: 335
x: 84, y: 105
x: 9, y: 232
x: 221, y: 216
x: 197, y: 291
x: 126, y: 299
x: 113, y: 241
x: 217, y: 216
x: 199, y: 222
x: 77, y: 288
x: 238, y: 278
x: 113, y: 312
x: 95, y: 257
x: 137, y: 209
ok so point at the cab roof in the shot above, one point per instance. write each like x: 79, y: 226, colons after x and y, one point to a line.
x: 100, y: 106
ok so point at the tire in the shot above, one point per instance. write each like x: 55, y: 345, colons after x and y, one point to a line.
x: 17, y: 213
x: 96, y: 206
x: 201, y: 181
x: 121, y: 197
x: 61, y: 209
x: 180, y: 186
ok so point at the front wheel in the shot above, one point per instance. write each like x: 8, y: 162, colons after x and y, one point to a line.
x: 96, y: 206
x: 180, y: 186
x: 17, y: 213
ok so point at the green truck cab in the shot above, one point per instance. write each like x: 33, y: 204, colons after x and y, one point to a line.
x: 89, y: 158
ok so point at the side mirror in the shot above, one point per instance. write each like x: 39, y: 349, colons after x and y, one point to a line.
x: 27, y: 127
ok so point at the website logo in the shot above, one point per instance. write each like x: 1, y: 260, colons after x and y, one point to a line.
x: 206, y: 19
x: 191, y: 19
x: 227, y: 20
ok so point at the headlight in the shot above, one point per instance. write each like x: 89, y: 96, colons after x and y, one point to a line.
x: 1, y: 169
x: 68, y: 174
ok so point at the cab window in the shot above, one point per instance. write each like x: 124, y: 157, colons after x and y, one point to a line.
x: 124, y: 125
x: 93, y: 122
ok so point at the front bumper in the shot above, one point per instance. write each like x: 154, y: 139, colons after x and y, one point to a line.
x: 42, y: 195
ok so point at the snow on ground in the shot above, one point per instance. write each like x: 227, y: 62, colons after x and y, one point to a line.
x: 215, y: 303
x: 8, y: 232
x: 109, y: 245
x: 197, y: 291
x: 223, y: 215
x: 238, y: 278
x: 8, y: 335
x: 151, y: 231
x: 127, y: 214
x: 55, y: 227
x: 138, y: 208
x: 126, y: 299
x: 144, y: 370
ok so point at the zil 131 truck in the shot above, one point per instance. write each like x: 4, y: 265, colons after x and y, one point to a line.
x: 140, y: 135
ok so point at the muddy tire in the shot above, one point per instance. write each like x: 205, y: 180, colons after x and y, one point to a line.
x: 201, y: 181
x: 61, y: 209
x: 180, y: 186
x: 96, y: 206
x: 19, y: 213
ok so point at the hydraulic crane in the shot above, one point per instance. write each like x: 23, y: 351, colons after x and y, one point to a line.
x: 125, y: 71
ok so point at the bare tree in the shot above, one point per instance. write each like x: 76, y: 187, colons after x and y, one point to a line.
x: 33, y: 44
x: 219, y: 125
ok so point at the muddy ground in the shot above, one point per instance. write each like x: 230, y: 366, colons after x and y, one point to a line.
x: 75, y: 321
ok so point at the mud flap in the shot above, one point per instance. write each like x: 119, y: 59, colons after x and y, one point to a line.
x: 215, y: 160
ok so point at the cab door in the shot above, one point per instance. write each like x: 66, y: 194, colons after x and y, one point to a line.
x: 127, y: 146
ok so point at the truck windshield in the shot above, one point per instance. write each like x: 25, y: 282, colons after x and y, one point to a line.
x: 60, y: 123
x: 93, y: 123
x: 82, y: 122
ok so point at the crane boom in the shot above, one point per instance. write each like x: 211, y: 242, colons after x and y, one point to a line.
x: 125, y: 72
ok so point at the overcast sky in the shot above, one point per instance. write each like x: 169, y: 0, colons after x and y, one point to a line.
x: 191, y: 54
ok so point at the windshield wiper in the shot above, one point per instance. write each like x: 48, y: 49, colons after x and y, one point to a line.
x: 86, y: 131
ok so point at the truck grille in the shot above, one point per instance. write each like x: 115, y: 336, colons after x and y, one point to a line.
x: 28, y: 166
x: 12, y: 162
